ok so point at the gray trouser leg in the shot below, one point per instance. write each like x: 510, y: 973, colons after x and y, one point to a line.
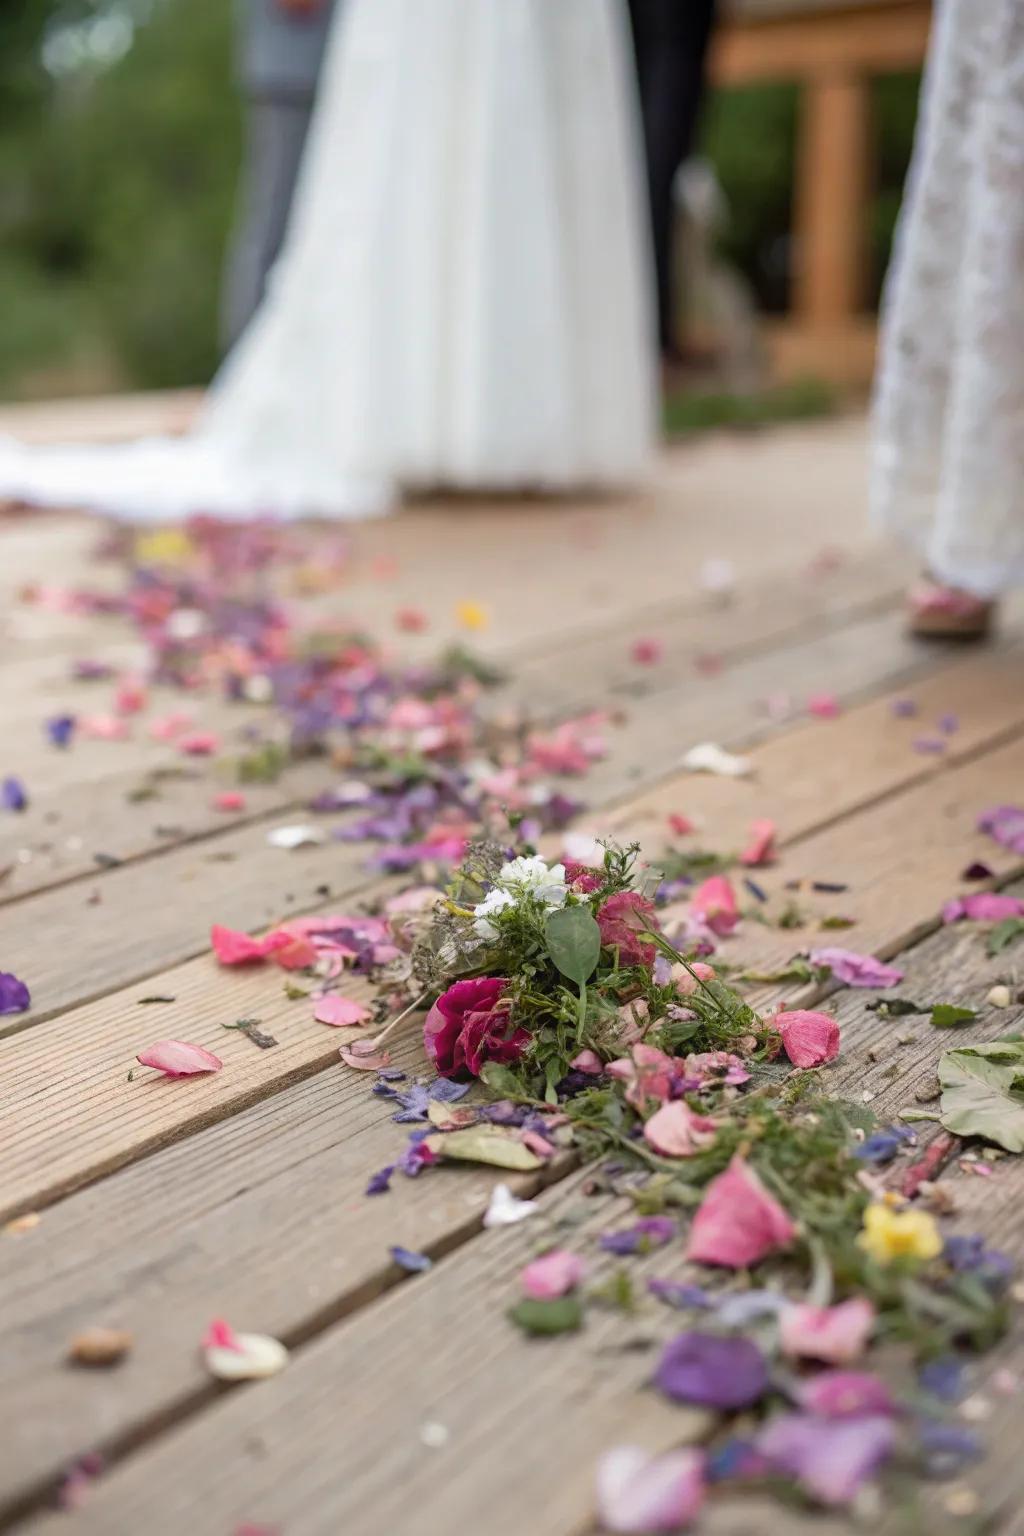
x: 275, y: 137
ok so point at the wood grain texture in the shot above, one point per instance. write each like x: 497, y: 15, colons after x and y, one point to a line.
x: 241, y: 881
x: 64, y: 1129
x: 278, y: 1186
x: 437, y: 1350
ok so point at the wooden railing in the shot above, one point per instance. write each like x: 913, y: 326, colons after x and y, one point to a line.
x: 832, y: 49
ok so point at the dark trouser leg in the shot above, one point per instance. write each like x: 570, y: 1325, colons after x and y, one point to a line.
x: 671, y: 39
x: 275, y: 137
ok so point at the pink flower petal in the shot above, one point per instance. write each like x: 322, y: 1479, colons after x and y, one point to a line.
x: 234, y: 948
x: 761, y: 848
x: 983, y: 907
x: 856, y: 970
x: 554, y: 1274
x: 167, y: 727
x: 340, y: 1011
x: 588, y: 1061
x: 199, y: 744
x: 680, y: 826
x: 846, y: 1395
x: 104, y: 727
x: 824, y: 705
x: 835, y: 1335
x: 130, y: 698
x: 738, y: 1222
x: 179, y: 1059
x: 638, y: 1494
x: 675, y: 1130
x: 648, y: 651
x: 365, y: 1055
x: 219, y: 1335
x: 809, y: 1039
x: 715, y: 902
x: 229, y: 800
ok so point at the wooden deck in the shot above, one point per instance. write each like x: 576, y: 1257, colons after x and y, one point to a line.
x: 410, y: 1408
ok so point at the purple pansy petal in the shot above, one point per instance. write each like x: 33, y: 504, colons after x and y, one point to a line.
x: 60, y: 729
x: 712, y: 1370
x: 14, y: 994
x: 13, y: 795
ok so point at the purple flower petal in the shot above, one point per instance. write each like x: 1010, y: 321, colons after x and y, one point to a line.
x: 904, y: 709
x: 639, y: 1495
x: 1005, y: 824
x: 947, y: 1448
x: 856, y: 970
x: 445, y: 1091
x: 14, y: 994
x: 846, y: 1395
x: 676, y: 1294
x: 712, y: 1370
x: 13, y: 795
x: 380, y: 1182
x: 832, y: 1459
x: 650, y: 1232
x: 60, y: 729
x: 943, y: 1378
x: 411, y: 1261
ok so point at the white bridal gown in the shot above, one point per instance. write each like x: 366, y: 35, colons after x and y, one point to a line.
x: 463, y: 296
x: 948, y: 469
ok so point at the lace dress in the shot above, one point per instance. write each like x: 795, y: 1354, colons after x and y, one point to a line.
x: 948, y: 450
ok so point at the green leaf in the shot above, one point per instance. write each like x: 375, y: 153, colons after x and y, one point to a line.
x: 485, y: 1144
x: 501, y: 1080
x: 895, y: 1007
x: 562, y: 1315
x: 982, y: 1093
x: 949, y: 1016
x: 574, y: 943
x: 1004, y: 934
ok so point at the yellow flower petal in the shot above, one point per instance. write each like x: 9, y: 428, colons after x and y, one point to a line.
x: 895, y: 1234
x: 471, y: 615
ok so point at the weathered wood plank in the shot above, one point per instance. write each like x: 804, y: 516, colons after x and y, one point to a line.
x: 552, y: 1406
x: 901, y: 857
x: 87, y: 787
x: 279, y: 1151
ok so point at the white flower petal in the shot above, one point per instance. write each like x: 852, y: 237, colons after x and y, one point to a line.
x: 505, y: 1209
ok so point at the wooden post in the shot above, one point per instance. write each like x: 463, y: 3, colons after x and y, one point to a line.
x: 831, y: 182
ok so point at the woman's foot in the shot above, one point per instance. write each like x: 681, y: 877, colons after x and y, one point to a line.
x: 948, y: 613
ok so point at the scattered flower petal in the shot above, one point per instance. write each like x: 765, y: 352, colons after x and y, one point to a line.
x: 364, y: 1055
x: 504, y: 1209
x: 738, y: 1222
x: 296, y: 837
x: 408, y: 1259
x: 177, y: 1058
x: 713, y: 1371
x: 234, y: 1356
x: 675, y: 1130
x: 639, y: 1494
x: 340, y: 1012
x: 856, y: 970
x: 835, y: 1335
x: 706, y: 757
x: 760, y: 849
x: 809, y: 1039
x: 554, y: 1274
x: 846, y: 1395
x: 832, y: 1459
x: 14, y: 994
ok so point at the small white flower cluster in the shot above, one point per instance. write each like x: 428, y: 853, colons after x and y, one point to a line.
x: 517, y: 879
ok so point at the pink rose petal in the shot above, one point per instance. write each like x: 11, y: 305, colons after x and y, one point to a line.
x: 675, y: 1130
x: 680, y: 826
x: 648, y: 651
x: 738, y: 1222
x: 554, y: 1274
x: 365, y: 1055
x: 104, y: 727
x: 199, y: 744
x: 167, y: 727
x: 983, y: 907
x: 715, y: 902
x: 340, y: 1012
x: 179, y: 1059
x: 589, y: 1062
x: 835, y: 1335
x: 229, y: 800
x: 639, y: 1494
x: 761, y: 847
x: 234, y: 948
x: 809, y: 1039
x: 219, y: 1335
x: 824, y: 705
x: 856, y: 970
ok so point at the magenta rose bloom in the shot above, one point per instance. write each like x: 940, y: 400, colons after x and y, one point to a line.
x: 621, y: 919
x: 470, y: 1024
